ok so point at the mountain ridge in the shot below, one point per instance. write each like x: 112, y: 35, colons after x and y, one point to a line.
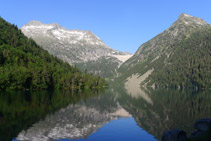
x: 182, y: 21
x: 76, y: 47
x: 89, y: 36
x: 152, y: 56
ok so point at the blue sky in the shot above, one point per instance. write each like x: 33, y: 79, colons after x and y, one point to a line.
x: 122, y: 24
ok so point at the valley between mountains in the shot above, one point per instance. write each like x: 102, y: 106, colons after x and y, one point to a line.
x: 105, y: 70
x: 179, y: 57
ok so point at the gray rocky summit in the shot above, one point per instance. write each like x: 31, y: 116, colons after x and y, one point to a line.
x: 76, y: 47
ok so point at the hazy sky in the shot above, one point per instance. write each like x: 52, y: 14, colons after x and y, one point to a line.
x: 122, y: 24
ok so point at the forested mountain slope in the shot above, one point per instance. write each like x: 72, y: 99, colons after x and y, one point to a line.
x: 178, y: 57
x: 25, y: 65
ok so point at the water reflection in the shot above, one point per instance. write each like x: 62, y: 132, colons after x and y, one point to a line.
x: 78, y: 114
x: 171, y: 109
x: 76, y: 120
x: 20, y: 110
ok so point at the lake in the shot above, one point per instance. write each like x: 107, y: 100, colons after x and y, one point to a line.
x: 112, y: 114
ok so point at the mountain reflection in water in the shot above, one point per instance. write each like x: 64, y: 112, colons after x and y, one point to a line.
x: 99, y: 115
x: 74, y: 122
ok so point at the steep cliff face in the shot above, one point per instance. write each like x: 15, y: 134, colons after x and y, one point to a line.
x: 74, y: 46
x: 164, y: 58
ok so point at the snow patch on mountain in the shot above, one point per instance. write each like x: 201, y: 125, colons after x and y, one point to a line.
x: 123, y: 58
x: 83, y: 44
x: 77, y: 47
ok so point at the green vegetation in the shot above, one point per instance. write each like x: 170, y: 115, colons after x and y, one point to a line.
x: 104, y: 67
x: 25, y: 65
x: 189, y: 66
x: 185, y: 63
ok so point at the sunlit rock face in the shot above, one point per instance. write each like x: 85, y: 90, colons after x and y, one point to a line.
x: 76, y: 47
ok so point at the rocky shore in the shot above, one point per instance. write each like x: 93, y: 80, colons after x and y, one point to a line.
x: 202, y: 132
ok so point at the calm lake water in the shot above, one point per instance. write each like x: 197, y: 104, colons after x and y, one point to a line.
x: 105, y: 115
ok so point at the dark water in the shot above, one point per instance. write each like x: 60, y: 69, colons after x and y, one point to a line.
x: 113, y: 114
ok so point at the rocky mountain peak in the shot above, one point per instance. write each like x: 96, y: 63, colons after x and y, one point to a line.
x: 92, y: 35
x: 184, y: 15
x: 89, y: 32
x: 167, y: 53
x: 34, y: 23
x: 78, y: 47
x: 186, y: 19
x: 38, y: 24
x: 55, y: 25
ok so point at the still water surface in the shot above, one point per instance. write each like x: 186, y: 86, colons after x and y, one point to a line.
x: 113, y: 114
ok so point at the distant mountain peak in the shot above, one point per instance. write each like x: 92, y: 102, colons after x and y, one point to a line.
x: 184, y: 15
x: 55, y: 25
x: 78, y: 47
x: 164, y: 61
x: 35, y: 23
x: 89, y: 32
x: 186, y: 19
x: 38, y: 23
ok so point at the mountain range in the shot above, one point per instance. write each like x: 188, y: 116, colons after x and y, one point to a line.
x: 77, y: 47
x: 178, y: 57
